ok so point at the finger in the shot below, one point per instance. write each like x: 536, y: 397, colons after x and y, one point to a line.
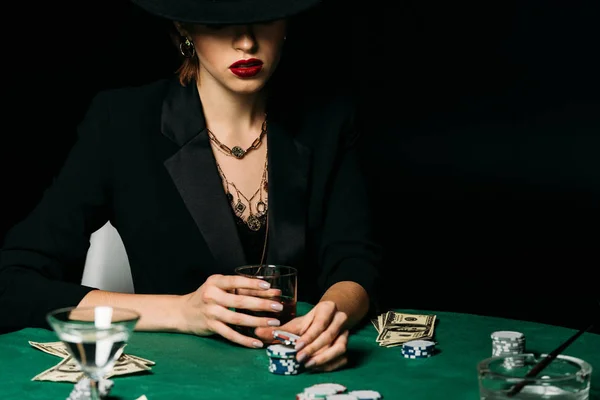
x: 234, y: 336
x: 229, y: 282
x: 321, y: 318
x: 327, y: 357
x: 321, y: 333
x: 246, y: 302
x: 238, y: 318
x: 263, y: 293
x: 294, y: 326
x: 298, y: 326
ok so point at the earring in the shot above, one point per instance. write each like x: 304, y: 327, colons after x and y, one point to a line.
x: 186, y: 48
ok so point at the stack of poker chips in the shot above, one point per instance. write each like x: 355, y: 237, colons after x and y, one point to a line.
x: 282, y: 356
x: 418, y: 349
x: 335, y: 391
x: 508, y: 343
x: 321, y: 391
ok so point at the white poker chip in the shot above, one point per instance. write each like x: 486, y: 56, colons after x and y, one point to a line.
x: 506, y: 343
x: 419, y: 344
x: 321, y: 391
x: 507, y: 335
x: 366, y: 394
x: 341, y: 397
x: 336, y: 386
x: 281, y: 351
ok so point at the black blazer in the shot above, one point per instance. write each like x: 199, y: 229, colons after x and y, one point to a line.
x: 143, y: 161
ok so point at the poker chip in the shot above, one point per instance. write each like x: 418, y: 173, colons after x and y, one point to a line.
x: 282, y: 360
x: 336, y: 391
x: 418, y: 349
x: 282, y: 356
x: 284, y: 367
x: 286, y: 338
x: 336, y: 386
x: 365, y: 394
x: 419, y: 344
x: 506, y: 343
x: 417, y: 352
x: 414, y: 357
x: 281, y: 351
x: 507, y: 335
x: 319, y: 392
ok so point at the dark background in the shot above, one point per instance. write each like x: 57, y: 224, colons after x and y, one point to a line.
x: 482, y: 134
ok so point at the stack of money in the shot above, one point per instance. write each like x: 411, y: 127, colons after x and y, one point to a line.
x: 394, y: 328
x: 67, y: 370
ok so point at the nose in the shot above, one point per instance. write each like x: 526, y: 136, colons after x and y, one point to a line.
x: 245, y: 39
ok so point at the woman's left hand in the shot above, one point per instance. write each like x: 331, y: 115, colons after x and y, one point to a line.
x: 323, y: 337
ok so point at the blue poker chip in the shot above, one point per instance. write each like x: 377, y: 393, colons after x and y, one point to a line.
x: 280, y: 363
x: 417, y: 352
x: 284, y: 370
x: 277, y: 372
x: 284, y: 367
x: 412, y: 356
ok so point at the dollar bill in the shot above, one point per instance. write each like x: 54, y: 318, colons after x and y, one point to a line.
x: 67, y: 370
x: 142, y: 360
x: 394, y: 328
x: 127, y: 365
x: 58, y: 349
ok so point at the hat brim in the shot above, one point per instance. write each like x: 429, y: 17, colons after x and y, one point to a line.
x: 225, y: 12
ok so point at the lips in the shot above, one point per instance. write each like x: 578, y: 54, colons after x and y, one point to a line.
x: 252, y: 62
x: 246, y: 68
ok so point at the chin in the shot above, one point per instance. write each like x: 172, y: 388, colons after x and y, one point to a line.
x: 248, y: 87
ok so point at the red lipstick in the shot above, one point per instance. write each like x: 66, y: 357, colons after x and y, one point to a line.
x: 246, y: 68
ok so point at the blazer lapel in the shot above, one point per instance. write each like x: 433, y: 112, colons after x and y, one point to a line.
x: 288, y: 180
x: 194, y: 172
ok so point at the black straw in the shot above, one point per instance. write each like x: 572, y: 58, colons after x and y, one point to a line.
x: 537, y: 368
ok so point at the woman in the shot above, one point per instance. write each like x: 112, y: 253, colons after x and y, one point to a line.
x: 201, y: 173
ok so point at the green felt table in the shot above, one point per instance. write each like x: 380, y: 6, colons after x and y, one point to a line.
x: 190, y: 367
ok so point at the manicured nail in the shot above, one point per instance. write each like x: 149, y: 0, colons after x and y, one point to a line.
x: 258, y: 345
x: 274, y: 322
x: 309, y: 364
x: 299, y: 346
x: 300, y: 357
x: 264, y: 285
x: 277, y: 306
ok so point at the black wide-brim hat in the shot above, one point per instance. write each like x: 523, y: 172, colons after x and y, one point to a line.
x: 225, y: 11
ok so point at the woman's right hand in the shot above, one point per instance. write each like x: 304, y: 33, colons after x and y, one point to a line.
x: 208, y: 310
